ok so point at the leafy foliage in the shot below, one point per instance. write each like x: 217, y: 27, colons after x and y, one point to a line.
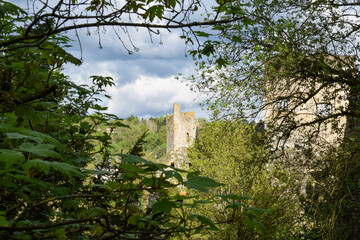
x: 54, y: 176
x: 236, y: 154
x: 151, y: 133
x: 304, y: 53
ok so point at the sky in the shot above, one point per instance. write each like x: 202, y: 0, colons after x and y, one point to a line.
x: 146, y: 84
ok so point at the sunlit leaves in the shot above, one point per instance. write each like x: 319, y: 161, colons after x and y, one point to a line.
x: 202, y: 34
x: 200, y: 183
x: 292, y: 50
x: 102, y: 81
x: 154, y: 11
x: 8, y: 9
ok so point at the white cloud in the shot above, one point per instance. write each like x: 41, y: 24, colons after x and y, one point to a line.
x: 145, y: 83
x: 150, y: 96
x: 81, y: 74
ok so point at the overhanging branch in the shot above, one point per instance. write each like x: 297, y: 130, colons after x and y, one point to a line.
x: 26, y: 40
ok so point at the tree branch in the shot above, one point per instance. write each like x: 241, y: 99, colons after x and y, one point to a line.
x: 26, y: 39
x: 37, y: 95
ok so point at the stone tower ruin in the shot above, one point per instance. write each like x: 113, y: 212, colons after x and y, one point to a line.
x: 180, y: 128
x: 181, y: 133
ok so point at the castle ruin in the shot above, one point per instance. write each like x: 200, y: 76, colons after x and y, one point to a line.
x: 181, y: 133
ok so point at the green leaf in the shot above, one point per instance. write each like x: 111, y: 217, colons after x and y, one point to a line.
x: 7, y: 8
x: 44, y: 137
x: 98, y: 186
x: 66, y: 57
x: 201, y: 183
x: 208, y: 49
x: 39, y: 184
x: 160, y: 11
x: 196, y: 202
x: 259, y: 226
x: 33, y: 136
x: 163, y: 206
x: 43, y: 150
x: 60, y: 233
x: 204, y: 220
x: 170, y: 174
x: 247, y: 21
x: 15, y: 135
x: 67, y: 169
x: 202, y: 34
x: 233, y: 196
x: 37, y: 164
x: 132, y: 158
x: 172, y: 3
x: 113, y: 185
x: 221, y: 62
x: 99, y: 108
x: 3, y: 221
x: 154, y: 11
x: 45, y: 166
x: 235, y: 205
x: 129, y: 167
x: 10, y: 157
x: 258, y: 211
x: 70, y: 204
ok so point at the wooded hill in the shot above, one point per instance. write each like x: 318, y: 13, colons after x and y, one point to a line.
x: 123, y: 139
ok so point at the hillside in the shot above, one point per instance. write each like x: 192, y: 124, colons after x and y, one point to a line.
x: 124, y: 138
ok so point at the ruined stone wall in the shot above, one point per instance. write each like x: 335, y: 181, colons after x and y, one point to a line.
x: 181, y: 131
x: 307, y: 103
x: 308, y: 112
x: 180, y: 128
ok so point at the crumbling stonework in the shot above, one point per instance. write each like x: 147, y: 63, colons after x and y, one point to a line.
x: 305, y: 106
x: 181, y: 134
x: 313, y: 112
